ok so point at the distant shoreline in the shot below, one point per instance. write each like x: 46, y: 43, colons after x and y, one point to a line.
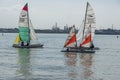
x: 61, y: 31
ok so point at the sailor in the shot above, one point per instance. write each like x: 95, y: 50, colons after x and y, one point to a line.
x: 67, y: 49
x: 27, y: 44
x: 92, y: 46
x: 22, y: 43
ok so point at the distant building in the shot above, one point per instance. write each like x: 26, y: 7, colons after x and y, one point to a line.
x: 66, y: 28
x: 55, y: 27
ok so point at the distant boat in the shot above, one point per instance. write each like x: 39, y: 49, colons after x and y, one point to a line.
x: 86, y: 33
x: 26, y: 31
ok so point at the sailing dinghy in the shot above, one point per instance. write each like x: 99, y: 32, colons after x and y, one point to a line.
x: 26, y: 31
x: 85, y: 33
x: 71, y: 43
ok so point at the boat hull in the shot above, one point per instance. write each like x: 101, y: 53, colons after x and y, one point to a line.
x: 79, y: 50
x: 95, y: 48
x: 85, y: 48
x: 30, y: 46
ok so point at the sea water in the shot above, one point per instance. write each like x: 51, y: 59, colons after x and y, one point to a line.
x: 49, y: 63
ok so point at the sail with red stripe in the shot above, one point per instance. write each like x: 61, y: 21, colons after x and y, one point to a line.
x: 88, y: 39
x: 89, y: 27
x: 71, y: 39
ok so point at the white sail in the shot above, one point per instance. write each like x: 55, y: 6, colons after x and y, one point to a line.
x: 32, y: 32
x: 71, y: 39
x: 80, y: 32
x: 23, y: 19
x: 89, y: 25
x: 90, y: 19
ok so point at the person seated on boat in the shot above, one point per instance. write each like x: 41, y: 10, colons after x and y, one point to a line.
x: 22, y: 43
x: 27, y: 44
x: 67, y: 49
x: 92, y: 46
x: 81, y: 47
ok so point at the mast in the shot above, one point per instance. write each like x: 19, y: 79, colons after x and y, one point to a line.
x: 85, y: 20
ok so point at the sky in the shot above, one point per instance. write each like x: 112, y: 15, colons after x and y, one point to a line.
x: 45, y: 13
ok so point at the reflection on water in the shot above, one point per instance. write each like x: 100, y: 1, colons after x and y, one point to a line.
x: 24, y: 63
x: 70, y: 61
x: 79, y: 66
x: 85, y: 65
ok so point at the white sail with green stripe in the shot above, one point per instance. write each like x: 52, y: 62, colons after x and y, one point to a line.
x: 24, y: 25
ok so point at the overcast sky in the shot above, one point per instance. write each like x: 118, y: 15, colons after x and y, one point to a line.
x: 44, y: 13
